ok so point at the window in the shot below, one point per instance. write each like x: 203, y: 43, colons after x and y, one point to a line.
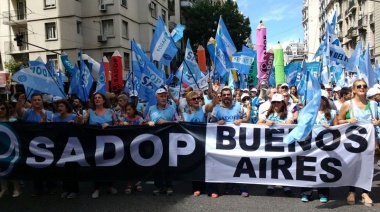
x: 52, y: 57
x: 125, y: 30
x: 163, y: 13
x: 51, y: 31
x: 153, y: 9
x: 124, y: 3
x: 126, y: 61
x: 79, y: 27
x: 107, y: 26
x: 49, y: 3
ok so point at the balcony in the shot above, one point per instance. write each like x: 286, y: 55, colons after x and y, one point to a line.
x: 10, y: 47
x: 352, y: 32
x: 371, y: 19
x: 186, y: 3
x: 352, y: 5
x: 14, y: 17
x: 362, y: 23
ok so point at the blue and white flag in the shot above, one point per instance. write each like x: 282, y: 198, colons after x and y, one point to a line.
x: 243, y: 78
x: 67, y: 64
x: 365, y: 67
x: 332, y: 24
x: 242, y: 61
x: 225, y: 37
x: 38, y: 78
x: 59, y: 77
x: 223, y: 63
x: 291, y: 71
x: 75, y: 81
x: 272, y: 78
x: 101, y: 83
x: 191, y: 63
x: 169, y: 79
x: 162, y: 47
x: 308, y: 114
x: 86, y: 80
x: 231, y: 82
x: 301, y: 87
x: 336, y: 53
x: 211, y: 49
x: 184, y: 74
x: 353, y: 61
x: 132, y: 83
x: 177, y: 32
x: 339, y: 76
x: 377, y: 70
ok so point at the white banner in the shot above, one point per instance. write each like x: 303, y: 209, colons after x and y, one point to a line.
x: 255, y: 154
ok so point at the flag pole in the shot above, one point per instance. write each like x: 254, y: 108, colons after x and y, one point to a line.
x: 55, y: 81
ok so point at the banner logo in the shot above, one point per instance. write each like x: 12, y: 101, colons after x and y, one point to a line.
x: 10, y: 151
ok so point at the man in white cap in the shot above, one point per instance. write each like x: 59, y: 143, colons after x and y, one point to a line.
x: 253, y: 92
x: 284, y: 88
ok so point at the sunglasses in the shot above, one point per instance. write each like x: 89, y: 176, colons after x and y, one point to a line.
x: 196, y: 98
x: 2, y: 108
x: 245, y: 99
x: 361, y: 86
x: 226, y: 94
x: 284, y: 87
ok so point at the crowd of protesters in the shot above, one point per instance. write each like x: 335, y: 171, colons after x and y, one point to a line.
x: 215, y: 104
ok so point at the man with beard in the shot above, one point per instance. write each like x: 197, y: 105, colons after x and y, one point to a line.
x: 229, y: 111
x: 77, y: 106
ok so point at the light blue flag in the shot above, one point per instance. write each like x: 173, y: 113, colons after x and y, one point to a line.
x: 169, y: 79
x: 127, y: 86
x: 336, y: 53
x: 222, y: 33
x: 243, y: 81
x: 223, y: 63
x: 308, y: 114
x: 272, y: 78
x: 162, y: 47
x: 211, y: 51
x: 365, y: 67
x: 291, y: 71
x: 177, y: 32
x: 248, y: 50
x: 331, y: 26
x: 191, y: 63
x: 353, y: 61
x: 59, y: 78
x: 301, y: 86
x: 324, y: 75
x: 339, y: 76
x: 322, y: 48
x: 38, y: 78
x: 67, y: 64
x: 86, y: 80
x: 184, y: 75
x: 132, y: 83
x: 242, y: 61
x: 377, y: 70
x: 101, y: 83
x: 75, y: 81
x: 231, y: 82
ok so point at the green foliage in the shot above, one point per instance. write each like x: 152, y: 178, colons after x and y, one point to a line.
x: 14, y: 65
x: 202, y: 21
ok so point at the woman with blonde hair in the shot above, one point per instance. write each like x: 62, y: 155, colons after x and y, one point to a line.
x: 358, y: 109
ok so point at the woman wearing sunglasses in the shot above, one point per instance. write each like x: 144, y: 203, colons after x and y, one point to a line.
x: 198, y: 113
x: 277, y: 113
x: 357, y: 109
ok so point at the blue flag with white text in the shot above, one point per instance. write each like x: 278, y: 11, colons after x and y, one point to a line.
x: 101, y: 83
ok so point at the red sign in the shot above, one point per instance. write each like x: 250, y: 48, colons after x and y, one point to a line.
x: 3, y: 79
x: 116, y: 73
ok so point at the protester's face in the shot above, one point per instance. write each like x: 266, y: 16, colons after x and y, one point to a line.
x: 293, y: 90
x: 130, y: 111
x: 347, y: 96
x: 277, y: 105
x: 98, y: 100
x: 284, y: 88
x: 186, y: 91
x: 37, y: 102
x: 226, y: 97
x: 122, y: 102
x: 286, y: 97
x: 273, y: 91
x: 162, y: 99
x: 3, y: 111
x: 237, y: 98
x: 195, y: 101
x: 360, y: 88
x: 323, y: 104
x: 76, y: 103
x: 61, y: 108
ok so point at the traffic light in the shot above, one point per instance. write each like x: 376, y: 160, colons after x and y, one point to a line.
x: 19, y: 38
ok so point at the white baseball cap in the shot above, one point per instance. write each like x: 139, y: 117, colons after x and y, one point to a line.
x: 285, y: 84
x: 324, y: 93
x: 277, y: 98
x: 160, y: 90
x: 244, y: 95
x: 337, y: 88
x: 245, y: 89
x: 327, y: 86
x: 253, y: 90
x: 372, y: 92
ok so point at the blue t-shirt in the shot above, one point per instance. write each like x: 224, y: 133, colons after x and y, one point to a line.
x: 71, y: 117
x: 228, y: 114
x: 99, y: 120
x: 30, y: 116
x: 155, y: 114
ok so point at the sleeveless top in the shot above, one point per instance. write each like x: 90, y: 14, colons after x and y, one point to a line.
x: 99, y: 120
x: 197, y: 116
x: 359, y: 114
x: 322, y: 119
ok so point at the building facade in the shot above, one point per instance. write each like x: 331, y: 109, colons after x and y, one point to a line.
x: 355, y: 21
x: 98, y: 27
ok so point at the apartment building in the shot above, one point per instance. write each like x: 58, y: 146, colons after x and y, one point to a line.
x: 310, y: 22
x: 99, y: 27
x: 355, y: 21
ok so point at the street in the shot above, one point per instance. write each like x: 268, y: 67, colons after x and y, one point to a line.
x: 183, y: 200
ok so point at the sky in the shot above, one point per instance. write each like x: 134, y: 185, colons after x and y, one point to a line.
x: 282, y: 18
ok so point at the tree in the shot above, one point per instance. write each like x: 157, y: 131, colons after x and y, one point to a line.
x: 202, y: 21
x: 14, y: 65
